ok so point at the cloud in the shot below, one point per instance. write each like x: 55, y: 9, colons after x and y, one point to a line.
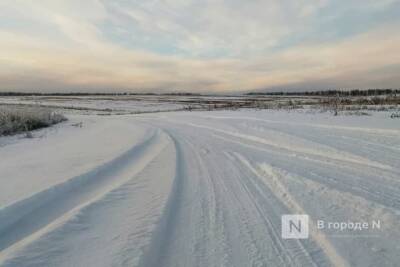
x: 206, y: 46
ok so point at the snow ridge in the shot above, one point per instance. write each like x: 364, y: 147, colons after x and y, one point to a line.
x: 21, y: 221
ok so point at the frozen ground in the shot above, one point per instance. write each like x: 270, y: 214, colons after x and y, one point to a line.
x: 201, y: 189
x: 99, y: 104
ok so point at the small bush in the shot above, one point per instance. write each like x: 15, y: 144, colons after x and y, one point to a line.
x: 15, y: 120
x: 395, y: 115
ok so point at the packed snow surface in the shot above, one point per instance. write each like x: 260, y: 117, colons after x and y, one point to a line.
x: 201, y: 189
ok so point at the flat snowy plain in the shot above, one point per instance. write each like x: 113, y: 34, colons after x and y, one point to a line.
x: 201, y: 189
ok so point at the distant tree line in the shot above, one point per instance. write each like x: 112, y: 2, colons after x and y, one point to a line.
x: 92, y: 94
x: 355, y: 92
x: 57, y: 94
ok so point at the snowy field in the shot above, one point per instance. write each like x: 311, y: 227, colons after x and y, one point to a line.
x: 201, y: 189
x: 97, y: 104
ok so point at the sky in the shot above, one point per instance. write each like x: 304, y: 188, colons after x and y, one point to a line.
x: 217, y: 46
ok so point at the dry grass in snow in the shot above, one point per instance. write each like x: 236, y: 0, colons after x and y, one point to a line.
x: 15, y: 119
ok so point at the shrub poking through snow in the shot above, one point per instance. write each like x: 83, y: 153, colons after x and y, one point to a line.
x: 15, y: 120
x: 395, y: 115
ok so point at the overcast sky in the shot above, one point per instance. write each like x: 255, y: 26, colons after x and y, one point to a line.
x: 198, y: 46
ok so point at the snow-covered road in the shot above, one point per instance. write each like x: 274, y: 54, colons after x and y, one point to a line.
x: 201, y: 189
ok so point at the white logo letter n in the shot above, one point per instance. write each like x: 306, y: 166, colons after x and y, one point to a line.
x: 295, y: 226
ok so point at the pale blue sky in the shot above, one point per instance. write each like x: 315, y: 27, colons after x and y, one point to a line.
x: 205, y: 46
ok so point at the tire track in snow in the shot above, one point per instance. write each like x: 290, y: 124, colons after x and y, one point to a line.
x: 24, y: 222
x: 271, y: 179
x: 270, y: 229
x: 211, y: 236
x: 197, y: 233
x: 252, y: 210
x: 328, y: 141
x: 391, y: 197
x: 270, y: 208
x: 331, y: 154
x: 373, y: 131
x: 158, y: 249
x: 184, y: 238
x: 192, y: 231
